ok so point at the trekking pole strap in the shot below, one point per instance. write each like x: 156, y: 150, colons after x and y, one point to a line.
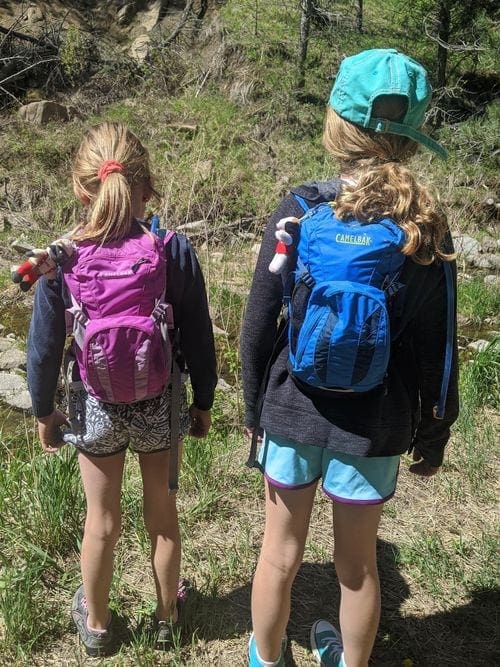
x: 175, y: 407
x: 439, y: 408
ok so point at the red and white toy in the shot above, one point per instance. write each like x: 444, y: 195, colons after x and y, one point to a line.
x: 285, y: 234
x: 42, y: 263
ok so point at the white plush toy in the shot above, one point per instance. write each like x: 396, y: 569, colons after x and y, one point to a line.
x: 284, y: 245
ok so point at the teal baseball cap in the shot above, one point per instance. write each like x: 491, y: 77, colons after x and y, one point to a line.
x: 366, y: 77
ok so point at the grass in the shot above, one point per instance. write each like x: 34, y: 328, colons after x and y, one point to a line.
x: 438, y: 549
x: 478, y: 302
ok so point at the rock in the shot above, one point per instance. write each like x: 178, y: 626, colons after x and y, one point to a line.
x: 218, y: 331
x: 5, y: 344
x: 139, y: 50
x: 12, y: 358
x: 491, y: 280
x: 21, y: 401
x: 11, y: 384
x: 40, y: 113
x: 465, y: 245
x: 13, y: 391
x: 478, y: 345
x: 222, y: 385
x: 34, y: 14
x: 489, y: 262
x: 21, y: 246
x: 256, y: 248
x: 490, y: 245
x: 148, y: 19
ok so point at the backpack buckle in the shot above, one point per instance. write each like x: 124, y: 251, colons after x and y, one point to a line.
x: 307, y: 279
x: 163, y: 314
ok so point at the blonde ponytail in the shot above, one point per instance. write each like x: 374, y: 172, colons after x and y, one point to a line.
x: 108, y: 194
x: 384, y: 187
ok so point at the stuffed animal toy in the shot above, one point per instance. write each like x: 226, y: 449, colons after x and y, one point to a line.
x: 42, y: 263
x: 287, y: 231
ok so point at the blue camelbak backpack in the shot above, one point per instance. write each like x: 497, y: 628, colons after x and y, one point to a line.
x: 339, y: 307
x: 345, y: 280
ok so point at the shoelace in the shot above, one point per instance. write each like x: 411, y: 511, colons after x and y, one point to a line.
x: 333, y: 645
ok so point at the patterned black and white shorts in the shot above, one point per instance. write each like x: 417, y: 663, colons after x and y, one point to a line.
x: 103, y: 429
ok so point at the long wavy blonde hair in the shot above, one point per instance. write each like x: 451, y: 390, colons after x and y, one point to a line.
x: 383, y: 187
x: 109, y: 203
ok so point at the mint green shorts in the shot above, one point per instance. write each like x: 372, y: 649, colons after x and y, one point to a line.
x: 355, y: 480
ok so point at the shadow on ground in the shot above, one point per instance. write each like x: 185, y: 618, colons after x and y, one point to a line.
x: 465, y: 635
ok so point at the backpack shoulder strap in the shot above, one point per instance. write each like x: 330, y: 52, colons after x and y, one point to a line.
x: 301, y: 202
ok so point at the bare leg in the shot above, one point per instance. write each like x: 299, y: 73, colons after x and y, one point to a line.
x: 102, y: 479
x: 287, y: 520
x: 160, y: 517
x: 355, y: 533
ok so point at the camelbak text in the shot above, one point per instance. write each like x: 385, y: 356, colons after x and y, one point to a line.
x: 354, y: 239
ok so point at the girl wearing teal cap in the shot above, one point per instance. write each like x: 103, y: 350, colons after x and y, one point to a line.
x: 351, y: 442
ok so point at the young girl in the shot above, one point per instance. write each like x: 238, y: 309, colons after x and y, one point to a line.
x: 352, y: 442
x: 112, y: 179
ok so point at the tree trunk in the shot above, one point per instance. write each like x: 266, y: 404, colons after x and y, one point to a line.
x: 306, y: 7
x: 359, y: 17
x: 443, y: 30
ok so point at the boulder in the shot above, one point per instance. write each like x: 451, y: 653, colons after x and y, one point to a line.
x: 488, y: 261
x: 491, y: 280
x: 12, y: 358
x: 40, y: 113
x: 478, y: 345
x: 148, y: 19
x: 466, y: 246
x: 13, y: 391
x: 21, y: 401
x: 11, y: 383
x: 139, y: 50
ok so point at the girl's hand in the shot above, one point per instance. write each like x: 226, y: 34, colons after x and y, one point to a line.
x: 201, y: 421
x: 249, y: 433
x: 49, y: 432
x: 422, y: 468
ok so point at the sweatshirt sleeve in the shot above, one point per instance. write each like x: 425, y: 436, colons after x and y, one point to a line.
x: 187, y: 294
x: 429, y: 339
x: 46, y: 337
x: 260, y: 322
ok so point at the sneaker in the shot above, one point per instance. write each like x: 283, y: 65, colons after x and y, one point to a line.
x: 253, y: 659
x: 97, y: 643
x: 165, y: 633
x: 326, y: 644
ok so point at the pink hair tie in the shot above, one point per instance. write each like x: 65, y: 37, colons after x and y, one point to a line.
x: 109, y: 167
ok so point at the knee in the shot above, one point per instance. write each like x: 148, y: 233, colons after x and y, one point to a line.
x: 160, y: 520
x: 103, y: 527
x: 284, y: 563
x: 352, y: 573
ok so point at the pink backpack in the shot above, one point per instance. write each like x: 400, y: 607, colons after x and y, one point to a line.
x: 120, y: 319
